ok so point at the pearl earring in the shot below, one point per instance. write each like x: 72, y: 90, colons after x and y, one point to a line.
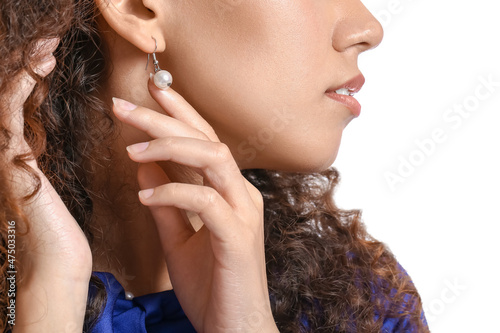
x: 162, y: 78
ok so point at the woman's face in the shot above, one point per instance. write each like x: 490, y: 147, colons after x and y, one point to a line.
x: 258, y: 71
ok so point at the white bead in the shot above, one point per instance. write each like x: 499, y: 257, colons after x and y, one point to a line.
x: 129, y: 296
x: 163, y: 79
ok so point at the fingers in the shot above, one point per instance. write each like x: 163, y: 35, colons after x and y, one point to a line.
x: 22, y: 86
x: 213, y: 159
x: 177, y: 107
x: 151, y: 122
x: 18, y: 93
x: 184, y: 137
x: 45, y: 60
x: 216, y: 214
x: 170, y: 221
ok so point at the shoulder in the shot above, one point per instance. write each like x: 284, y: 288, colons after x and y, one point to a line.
x: 403, y: 314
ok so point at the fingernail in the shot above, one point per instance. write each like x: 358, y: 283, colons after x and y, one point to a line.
x: 138, y: 147
x: 151, y: 77
x: 46, y: 66
x: 123, y: 105
x: 146, y: 193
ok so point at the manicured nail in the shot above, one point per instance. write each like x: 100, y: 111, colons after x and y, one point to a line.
x: 146, y: 193
x: 46, y: 66
x: 123, y: 105
x: 138, y: 147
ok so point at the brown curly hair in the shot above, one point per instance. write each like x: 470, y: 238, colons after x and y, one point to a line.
x: 325, y: 272
x: 22, y: 25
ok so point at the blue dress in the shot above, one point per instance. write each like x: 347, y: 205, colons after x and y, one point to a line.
x: 161, y: 312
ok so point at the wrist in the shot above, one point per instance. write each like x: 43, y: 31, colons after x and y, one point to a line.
x: 260, y: 321
x: 56, y: 279
x: 38, y: 268
x: 271, y: 328
x: 48, y: 303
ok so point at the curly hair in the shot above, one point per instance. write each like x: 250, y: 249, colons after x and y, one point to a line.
x: 325, y: 272
x: 22, y: 25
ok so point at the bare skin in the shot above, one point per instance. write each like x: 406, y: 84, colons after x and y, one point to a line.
x: 55, y: 255
x: 283, y: 56
x: 251, y: 66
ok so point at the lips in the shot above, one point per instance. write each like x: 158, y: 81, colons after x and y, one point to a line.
x: 353, y: 86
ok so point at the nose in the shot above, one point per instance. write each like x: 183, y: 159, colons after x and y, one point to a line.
x: 356, y: 28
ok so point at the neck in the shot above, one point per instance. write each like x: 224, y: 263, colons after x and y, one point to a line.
x: 129, y: 246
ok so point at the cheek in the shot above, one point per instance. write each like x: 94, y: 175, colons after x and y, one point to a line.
x: 250, y: 53
x: 262, y: 87
x: 292, y: 139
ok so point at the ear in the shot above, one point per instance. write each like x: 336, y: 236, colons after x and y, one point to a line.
x: 136, y: 21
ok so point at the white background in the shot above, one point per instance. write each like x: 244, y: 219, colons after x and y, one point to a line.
x: 440, y: 219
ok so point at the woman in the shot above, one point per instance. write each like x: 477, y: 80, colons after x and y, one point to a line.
x: 258, y: 86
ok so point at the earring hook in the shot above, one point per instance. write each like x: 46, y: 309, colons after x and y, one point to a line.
x: 155, y: 62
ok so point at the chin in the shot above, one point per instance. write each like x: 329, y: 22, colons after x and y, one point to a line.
x: 319, y: 157
x: 308, y: 154
x: 304, y: 163
x: 320, y: 164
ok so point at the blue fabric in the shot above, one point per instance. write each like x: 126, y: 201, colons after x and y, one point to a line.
x: 401, y: 324
x: 161, y: 312
x: 152, y: 313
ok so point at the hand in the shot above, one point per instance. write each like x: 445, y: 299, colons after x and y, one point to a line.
x: 218, y: 272
x: 55, y: 257
x: 55, y: 241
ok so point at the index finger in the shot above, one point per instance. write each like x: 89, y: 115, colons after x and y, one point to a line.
x: 177, y: 107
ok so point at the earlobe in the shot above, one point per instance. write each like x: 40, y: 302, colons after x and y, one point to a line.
x: 133, y: 21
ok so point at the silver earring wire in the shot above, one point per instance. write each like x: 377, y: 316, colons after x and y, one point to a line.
x: 162, y: 79
x: 155, y: 62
